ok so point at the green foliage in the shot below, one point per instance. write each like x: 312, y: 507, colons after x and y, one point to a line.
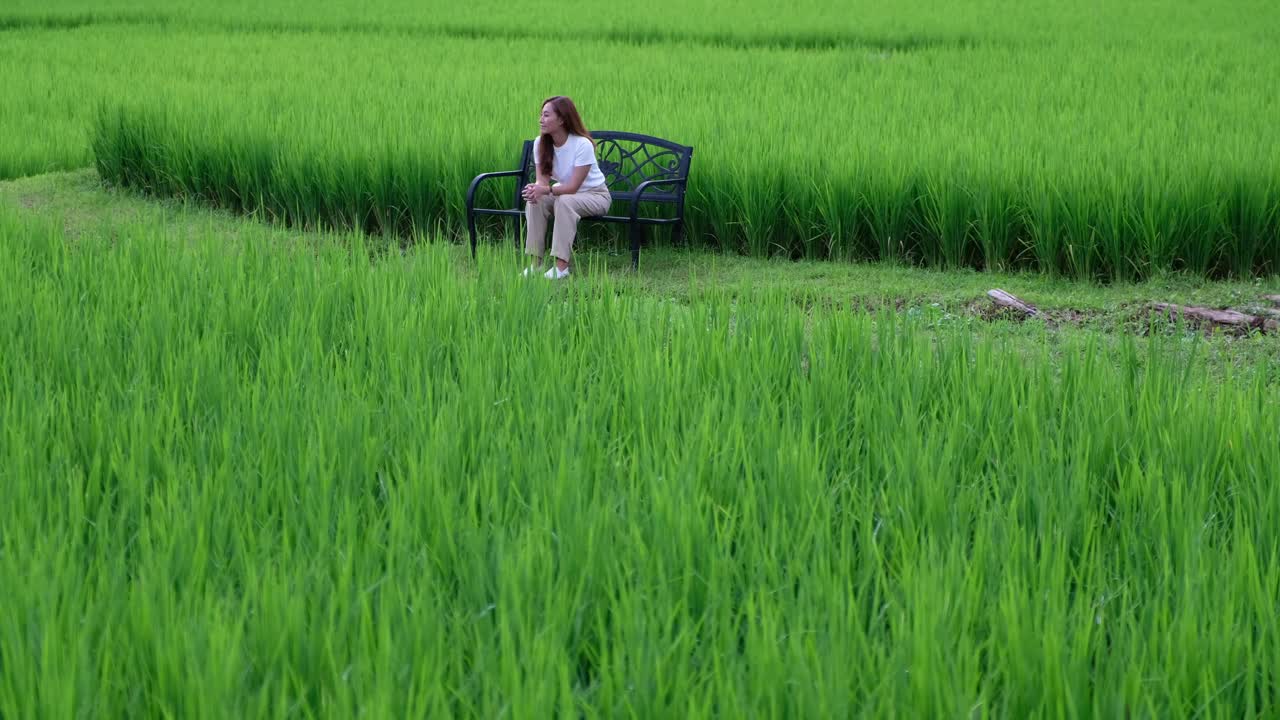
x: 1040, y: 168
x: 245, y: 478
x: 243, y: 474
x: 1114, y: 142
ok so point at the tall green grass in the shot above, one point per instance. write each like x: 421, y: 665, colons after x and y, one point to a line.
x: 54, y: 79
x: 244, y: 477
x: 912, y: 24
x: 1080, y: 158
x: 1064, y: 141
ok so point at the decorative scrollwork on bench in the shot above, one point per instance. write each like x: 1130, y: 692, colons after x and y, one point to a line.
x: 627, y: 162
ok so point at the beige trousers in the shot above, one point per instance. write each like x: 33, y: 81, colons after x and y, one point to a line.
x: 568, y: 210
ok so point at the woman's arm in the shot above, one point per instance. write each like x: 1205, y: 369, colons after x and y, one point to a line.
x: 541, y: 183
x: 540, y: 186
x: 575, y: 182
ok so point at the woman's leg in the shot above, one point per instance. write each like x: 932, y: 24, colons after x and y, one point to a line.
x: 570, y: 209
x: 535, y: 215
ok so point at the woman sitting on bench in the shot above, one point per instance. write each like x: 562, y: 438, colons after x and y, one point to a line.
x: 565, y: 152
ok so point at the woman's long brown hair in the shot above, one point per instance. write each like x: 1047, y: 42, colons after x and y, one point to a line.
x: 568, y: 112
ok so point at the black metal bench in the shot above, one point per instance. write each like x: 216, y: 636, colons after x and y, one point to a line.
x: 636, y: 168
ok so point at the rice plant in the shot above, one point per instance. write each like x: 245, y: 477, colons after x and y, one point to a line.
x: 808, y: 24
x: 1040, y: 137
x: 1065, y: 178
x: 263, y: 474
x: 246, y: 477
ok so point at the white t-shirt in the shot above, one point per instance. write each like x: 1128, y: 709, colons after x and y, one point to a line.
x: 576, y: 152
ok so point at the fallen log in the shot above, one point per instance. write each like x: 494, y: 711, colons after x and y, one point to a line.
x: 1259, y: 310
x: 1273, y: 299
x: 1222, y: 318
x: 1005, y: 300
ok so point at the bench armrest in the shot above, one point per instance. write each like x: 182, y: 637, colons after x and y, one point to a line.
x: 471, y: 191
x: 635, y: 201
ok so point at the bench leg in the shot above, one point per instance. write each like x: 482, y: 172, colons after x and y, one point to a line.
x: 471, y: 229
x: 678, y: 234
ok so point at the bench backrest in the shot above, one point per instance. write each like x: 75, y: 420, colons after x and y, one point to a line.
x: 628, y: 159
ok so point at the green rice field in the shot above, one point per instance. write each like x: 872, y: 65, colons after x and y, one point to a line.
x: 273, y: 445
x: 263, y: 479
x: 1098, y: 150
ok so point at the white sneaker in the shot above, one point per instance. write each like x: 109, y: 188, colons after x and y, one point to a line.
x: 529, y: 271
x: 555, y: 273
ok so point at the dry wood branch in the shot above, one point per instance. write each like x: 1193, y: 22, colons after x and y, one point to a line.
x: 1263, y: 311
x: 1005, y: 300
x: 1222, y: 318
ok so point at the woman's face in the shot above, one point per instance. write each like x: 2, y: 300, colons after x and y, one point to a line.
x: 550, y: 121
